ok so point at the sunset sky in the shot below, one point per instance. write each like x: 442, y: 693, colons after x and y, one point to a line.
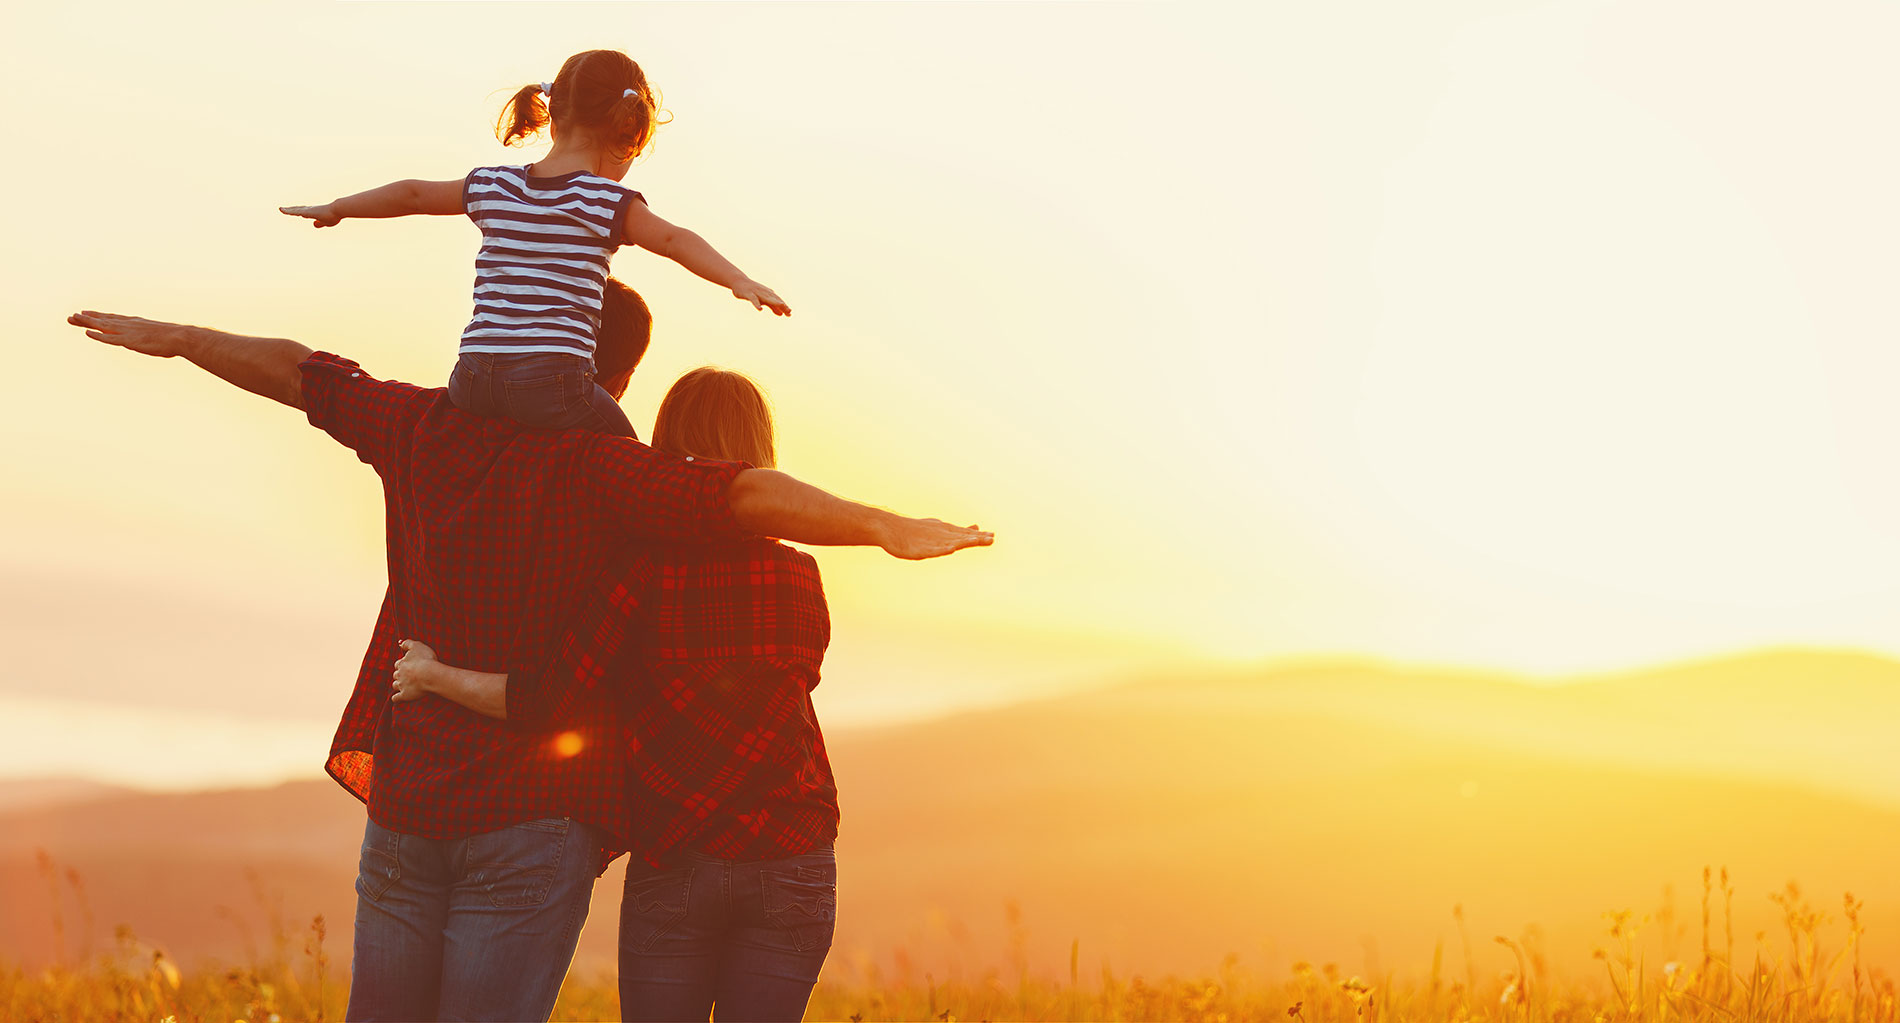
x: 1538, y: 337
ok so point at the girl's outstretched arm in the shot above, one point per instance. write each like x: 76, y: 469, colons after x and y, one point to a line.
x: 689, y: 250
x: 396, y: 199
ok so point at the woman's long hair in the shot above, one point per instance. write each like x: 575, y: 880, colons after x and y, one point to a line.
x: 716, y: 413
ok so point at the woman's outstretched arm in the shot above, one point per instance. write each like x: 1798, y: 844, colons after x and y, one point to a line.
x: 770, y: 503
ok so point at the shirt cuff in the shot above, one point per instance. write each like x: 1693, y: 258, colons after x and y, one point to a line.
x: 712, y: 480
x: 323, y: 372
x: 525, y: 713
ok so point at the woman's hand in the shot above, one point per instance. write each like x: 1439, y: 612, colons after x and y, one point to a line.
x: 760, y: 296
x: 918, y: 539
x: 415, y: 672
x: 320, y: 216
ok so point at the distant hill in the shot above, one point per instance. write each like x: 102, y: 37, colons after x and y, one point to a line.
x: 1328, y: 812
x: 32, y: 793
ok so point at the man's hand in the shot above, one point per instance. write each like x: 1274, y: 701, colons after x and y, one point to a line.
x: 415, y: 672
x: 147, y: 337
x: 760, y: 296
x: 265, y: 366
x: 320, y: 216
x: 917, y: 539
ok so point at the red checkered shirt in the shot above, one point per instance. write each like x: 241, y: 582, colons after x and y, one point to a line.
x: 494, y: 530
x: 714, y: 649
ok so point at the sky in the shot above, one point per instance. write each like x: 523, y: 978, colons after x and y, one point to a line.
x: 1542, y: 338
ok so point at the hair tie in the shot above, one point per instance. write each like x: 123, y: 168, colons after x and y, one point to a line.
x: 630, y: 92
x: 548, y: 87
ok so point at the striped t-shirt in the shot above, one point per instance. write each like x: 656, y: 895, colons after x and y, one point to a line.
x: 543, y: 263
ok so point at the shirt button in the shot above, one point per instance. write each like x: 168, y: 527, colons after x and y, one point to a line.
x: 353, y: 376
x: 689, y: 458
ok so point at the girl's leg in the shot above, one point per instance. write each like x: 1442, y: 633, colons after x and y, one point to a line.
x: 784, y: 912
x: 609, y: 416
x: 671, y: 926
x: 472, y: 385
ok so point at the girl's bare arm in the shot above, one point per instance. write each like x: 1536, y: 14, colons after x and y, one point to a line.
x: 650, y: 232
x: 396, y: 199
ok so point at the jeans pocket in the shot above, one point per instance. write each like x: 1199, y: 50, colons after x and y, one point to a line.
x: 538, y: 401
x: 380, y: 866
x: 652, y: 905
x: 802, y: 903
x: 516, y: 866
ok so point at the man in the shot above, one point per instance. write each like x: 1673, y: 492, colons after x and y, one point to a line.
x: 475, y: 876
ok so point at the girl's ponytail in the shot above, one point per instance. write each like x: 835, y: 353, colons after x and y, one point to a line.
x: 522, y: 117
x: 601, y: 92
x: 633, y: 118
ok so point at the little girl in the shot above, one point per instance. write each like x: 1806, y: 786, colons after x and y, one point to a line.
x: 548, y: 229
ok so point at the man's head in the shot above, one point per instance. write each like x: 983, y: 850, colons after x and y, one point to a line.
x: 626, y: 327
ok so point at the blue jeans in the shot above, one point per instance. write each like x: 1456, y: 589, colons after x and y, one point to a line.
x: 476, y: 928
x: 541, y: 389
x: 741, y: 939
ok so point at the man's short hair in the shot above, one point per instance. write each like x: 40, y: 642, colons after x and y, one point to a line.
x: 626, y: 328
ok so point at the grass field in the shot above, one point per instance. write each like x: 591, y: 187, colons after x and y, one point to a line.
x: 1812, y: 971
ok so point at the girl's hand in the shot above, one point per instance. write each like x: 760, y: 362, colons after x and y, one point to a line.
x: 321, y: 216
x: 414, y: 672
x: 761, y: 297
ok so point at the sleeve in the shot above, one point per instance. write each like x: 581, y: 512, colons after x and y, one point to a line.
x: 620, y: 214
x: 639, y: 493
x: 601, y: 645
x: 362, y: 413
x: 468, y: 182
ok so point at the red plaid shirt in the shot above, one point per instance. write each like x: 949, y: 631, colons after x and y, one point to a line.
x: 714, y: 649
x: 493, y: 530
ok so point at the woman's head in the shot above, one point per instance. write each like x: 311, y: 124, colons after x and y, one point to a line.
x: 716, y: 413
x: 601, y: 95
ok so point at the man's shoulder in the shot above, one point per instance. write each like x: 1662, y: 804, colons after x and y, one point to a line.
x: 356, y: 408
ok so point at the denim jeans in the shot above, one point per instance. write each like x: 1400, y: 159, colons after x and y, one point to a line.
x: 542, y: 389
x: 741, y: 939
x: 476, y: 928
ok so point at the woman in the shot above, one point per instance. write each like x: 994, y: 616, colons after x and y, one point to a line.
x: 730, y: 806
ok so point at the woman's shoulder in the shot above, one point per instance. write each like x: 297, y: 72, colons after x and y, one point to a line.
x: 749, y: 551
x: 767, y: 549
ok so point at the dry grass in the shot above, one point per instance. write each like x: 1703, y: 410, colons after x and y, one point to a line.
x: 1812, y: 973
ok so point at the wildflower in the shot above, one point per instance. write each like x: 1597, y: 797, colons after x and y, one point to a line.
x: 165, y: 970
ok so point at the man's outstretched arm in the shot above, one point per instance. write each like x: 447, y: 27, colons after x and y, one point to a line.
x: 266, y: 366
x: 770, y: 503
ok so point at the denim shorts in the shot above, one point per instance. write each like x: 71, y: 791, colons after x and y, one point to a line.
x: 545, y: 390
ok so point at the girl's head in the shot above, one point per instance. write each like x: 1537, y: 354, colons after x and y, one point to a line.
x: 716, y: 413
x: 600, y: 96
